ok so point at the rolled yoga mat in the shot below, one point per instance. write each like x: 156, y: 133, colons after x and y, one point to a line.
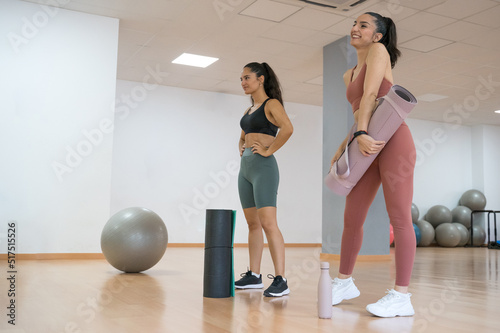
x: 218, y: 275
x: 391, y: 111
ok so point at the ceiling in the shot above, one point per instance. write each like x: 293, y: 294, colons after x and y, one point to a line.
x: 450, y: 48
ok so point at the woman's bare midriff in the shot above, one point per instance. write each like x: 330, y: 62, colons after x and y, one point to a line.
x: 264, y: 139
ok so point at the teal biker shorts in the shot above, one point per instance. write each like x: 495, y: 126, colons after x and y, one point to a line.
x: 258, y: 180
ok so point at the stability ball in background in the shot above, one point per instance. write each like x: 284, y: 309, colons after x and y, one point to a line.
x: 134, y: 239
x: 438, y: 214
x: 447, y: 235
x: 464, y: 233
x: 473, y: 199
x: 478, y: 235
x: 461, y: 214
x: 427, y: 233
x: 414, y: 213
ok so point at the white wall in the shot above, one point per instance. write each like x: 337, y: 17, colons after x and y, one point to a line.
x: 176, y: 152
x: 57, y: 90
x: 491, y: 166
x: 443, y: 168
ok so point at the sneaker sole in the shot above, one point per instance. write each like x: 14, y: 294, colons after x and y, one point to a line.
x: 351, y: 296
x: 390, y: 315
x: 250, y: 286
x: 283, y: 293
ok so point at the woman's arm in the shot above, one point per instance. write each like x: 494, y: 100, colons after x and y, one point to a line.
x: 347, y: 78
x: 280, y: 119
x: 340, y: 150
x: 377, y: 61
x: 241, y: 143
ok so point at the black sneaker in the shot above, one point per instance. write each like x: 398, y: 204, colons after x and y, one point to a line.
x: 249, y: 281
x: 279, y: 287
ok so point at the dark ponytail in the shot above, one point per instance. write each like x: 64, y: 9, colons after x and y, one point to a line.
x: 386, y: 26
x: 272, y: 85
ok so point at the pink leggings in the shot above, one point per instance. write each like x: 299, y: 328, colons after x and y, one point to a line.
x: 393, y: 167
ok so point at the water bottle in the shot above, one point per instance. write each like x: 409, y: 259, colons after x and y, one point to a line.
x: 325, y: 292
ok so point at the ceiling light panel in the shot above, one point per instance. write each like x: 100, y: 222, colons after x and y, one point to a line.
x: 194, y: 60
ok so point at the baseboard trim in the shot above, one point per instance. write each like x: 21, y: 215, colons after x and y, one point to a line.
x: 361, y: 258
x: 286, y: 245
x: 54, y: 256
x: 245, y: 245
x: 87, y: 256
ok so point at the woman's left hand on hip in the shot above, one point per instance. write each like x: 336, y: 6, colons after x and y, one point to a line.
x: 258, y: 148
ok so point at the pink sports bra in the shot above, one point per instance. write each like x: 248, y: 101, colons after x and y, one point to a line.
x: 355, y: 88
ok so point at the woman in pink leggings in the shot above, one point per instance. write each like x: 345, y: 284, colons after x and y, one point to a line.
x: 374, y: 38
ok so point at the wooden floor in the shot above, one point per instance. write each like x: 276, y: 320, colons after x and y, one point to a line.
x: 454, y: 290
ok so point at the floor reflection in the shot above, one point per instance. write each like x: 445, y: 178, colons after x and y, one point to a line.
x: 261, y: 311
x: 391, y: 325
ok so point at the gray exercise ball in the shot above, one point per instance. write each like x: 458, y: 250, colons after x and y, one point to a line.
x: 438, y: 214
x: 464, y: 233
x: 134, y: 239
x: 414, y: 213
x: 473, y: 199
x: 461, y: 214
x: 427, y: 233
x: 478, y: 235
x: 447, y: 235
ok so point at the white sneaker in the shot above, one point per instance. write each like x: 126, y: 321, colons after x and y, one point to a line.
x: 391, y: 305
x: 343, y: 289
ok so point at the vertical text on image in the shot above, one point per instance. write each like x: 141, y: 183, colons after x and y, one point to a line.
x: 11, y: 272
